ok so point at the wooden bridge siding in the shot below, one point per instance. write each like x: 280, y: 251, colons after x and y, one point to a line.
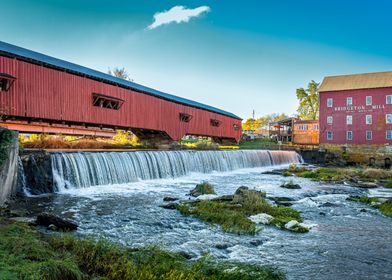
x: 44, y: 93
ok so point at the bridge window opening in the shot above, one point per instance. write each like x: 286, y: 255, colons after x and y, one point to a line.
x: 215, y: 123
x: 184, y: 117
x: 236, y: 127
x: 6, y: 81
x: 108, y: 102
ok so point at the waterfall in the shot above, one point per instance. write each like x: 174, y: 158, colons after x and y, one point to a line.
x: 80, y: 170
x: 22, y: 186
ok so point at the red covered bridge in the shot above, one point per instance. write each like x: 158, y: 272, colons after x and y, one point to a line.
x: 39, y: 89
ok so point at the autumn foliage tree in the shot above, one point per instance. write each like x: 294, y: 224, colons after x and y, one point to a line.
x: 253, y: 124
x: 308, y: 98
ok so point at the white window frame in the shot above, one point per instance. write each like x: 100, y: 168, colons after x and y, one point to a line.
x: 329, y: 102
x: 316, y: 127
x: 369, y: 100
x: 329, y: 133
x: 388, y: 135
x: 349, y: 132
x: 329, y: 120
x: 369, y: 132
x: 388, y: 118
x: 349, y: 119
x: 388, y: 99
x: 349, y: 103
x: 369, y: 119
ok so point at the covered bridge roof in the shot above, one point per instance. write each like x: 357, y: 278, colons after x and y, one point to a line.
x: 35, y: 57
x: 357, y: 81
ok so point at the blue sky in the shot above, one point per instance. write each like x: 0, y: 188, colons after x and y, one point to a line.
x: 235, y: 55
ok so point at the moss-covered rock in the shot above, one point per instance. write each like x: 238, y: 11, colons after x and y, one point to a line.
x: 233, y: 215
x: 384, y: 205
x: 203, y: 188
x: 290, y: 185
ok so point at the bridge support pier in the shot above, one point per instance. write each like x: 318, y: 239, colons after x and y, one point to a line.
x: 154, y: 138
x: 224, y: 141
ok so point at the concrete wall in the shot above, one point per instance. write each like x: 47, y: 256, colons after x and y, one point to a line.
x: 377, y: 155
x: 9, y: 171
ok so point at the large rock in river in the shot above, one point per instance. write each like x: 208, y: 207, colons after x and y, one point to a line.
x: 290, y: 185
x: 47, y: 219
x: 261, y: 218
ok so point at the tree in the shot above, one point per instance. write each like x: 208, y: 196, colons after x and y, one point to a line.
x: 120, y: 73
x: 253, y: 124
x: 308, y: 108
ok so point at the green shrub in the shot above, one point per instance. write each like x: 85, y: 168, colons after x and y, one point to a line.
x: 204, y: 188
x: 388, y: 184
x: 295, y: 168
x: 376, y: 174
x: 6, y: 137
x: 386, y: 208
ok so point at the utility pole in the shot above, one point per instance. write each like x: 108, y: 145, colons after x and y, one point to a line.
x: 253, y: 124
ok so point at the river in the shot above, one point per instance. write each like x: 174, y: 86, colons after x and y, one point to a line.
x: 348, y: 241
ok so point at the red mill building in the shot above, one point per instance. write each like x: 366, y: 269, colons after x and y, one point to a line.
x: 356, y: 110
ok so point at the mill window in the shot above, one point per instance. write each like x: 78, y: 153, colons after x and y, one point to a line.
x: 369, y: 119
x: 349, y: 120
x: 369, y: 100
x: 349, y: 135
x: 329, y: 102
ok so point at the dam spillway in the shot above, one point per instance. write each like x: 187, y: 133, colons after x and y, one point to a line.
x: 84, y: 169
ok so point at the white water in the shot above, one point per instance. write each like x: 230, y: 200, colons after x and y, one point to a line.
x: 81, y: 170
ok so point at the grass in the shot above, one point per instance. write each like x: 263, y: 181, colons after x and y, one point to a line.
x: 363, y: 199
x: 6, y: 137
x: 233, y: 215
x: 257, y: 143
x: 341, y: 174
x: 199, y: 144
x: 24, y: 254
x: 384, y: 207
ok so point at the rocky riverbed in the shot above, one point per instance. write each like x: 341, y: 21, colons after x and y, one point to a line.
x: 348, y: 240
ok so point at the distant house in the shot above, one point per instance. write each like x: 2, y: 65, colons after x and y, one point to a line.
x: 295, y: 131
x: 306, y: 132
x: 259, y: 132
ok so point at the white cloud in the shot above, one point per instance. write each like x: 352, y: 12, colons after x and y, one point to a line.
x: 177, y: 14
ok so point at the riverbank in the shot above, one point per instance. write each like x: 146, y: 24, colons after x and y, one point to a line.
x: 26, y: 253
